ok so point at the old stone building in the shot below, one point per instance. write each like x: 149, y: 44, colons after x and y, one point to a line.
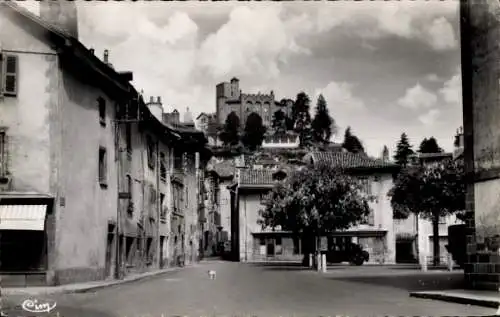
x: 480, y: 29
x: 230, y: 98
x: 83, y: 159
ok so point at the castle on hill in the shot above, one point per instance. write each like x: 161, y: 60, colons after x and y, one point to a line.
x: 230, y: 98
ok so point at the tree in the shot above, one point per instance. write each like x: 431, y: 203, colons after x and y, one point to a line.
x: 429, y: 146
x: 385, y: 153
x: 302, y: 119
x: 313, y: 202
x: 403, y: 151
x: 230, y: 131
x: 279, y: 122
x: 254, y: 132
x: 322, y: 125
x: 432, y: 191
x: 352, y: 143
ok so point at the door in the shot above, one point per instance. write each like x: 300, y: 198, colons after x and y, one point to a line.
x: 270, y: 247
x: 162, y: 246
x: 109, y: 254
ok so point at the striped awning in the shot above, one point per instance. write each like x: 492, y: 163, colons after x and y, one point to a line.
x: 22, y: 217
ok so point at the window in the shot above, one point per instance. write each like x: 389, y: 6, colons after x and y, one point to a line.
x: 163, y: 214
x: 101, y: 103
x: 128, y: 137
x: 178, y: 160
x: 129, y: 186
x: 163, y: 169
x: 150, y: 147
x: 262, y: 241
x: 3, y: 153
x: 9, y: 71
x: 103, y: 167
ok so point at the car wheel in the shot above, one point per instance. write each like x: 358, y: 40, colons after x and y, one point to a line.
x: 358, y: 260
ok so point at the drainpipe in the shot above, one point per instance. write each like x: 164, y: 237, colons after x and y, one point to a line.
x: 118, y: 274
x: 157, y: 203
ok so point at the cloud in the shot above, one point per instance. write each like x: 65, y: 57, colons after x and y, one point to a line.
x: 432, y: 78
x: 375, y: 20
x: 440, y: 35
x: 430, y: 117
x: 418, y: 97
x: 452, y: 90
x: 254, y: 41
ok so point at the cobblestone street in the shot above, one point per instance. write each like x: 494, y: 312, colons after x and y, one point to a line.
x: 270, y: 290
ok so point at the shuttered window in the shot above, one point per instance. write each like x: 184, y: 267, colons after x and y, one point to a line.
x: 9, y: 71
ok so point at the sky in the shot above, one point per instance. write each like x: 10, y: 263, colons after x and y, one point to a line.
x: 384, y: 68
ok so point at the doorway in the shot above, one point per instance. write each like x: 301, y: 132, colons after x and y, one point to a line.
x: 109, y: 255
x: 270, y: 248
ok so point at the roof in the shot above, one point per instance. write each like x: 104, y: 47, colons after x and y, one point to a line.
x: 256, y: 178
x: 434, y: 155
x: 76, y: 50
x: 347, y: 160
x: 225, y: 169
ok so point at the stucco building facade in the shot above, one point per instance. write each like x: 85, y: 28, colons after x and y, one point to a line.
x: 79, y: 150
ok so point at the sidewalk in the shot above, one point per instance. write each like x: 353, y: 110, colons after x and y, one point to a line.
x: 468, y: 297
x: 84, y: 287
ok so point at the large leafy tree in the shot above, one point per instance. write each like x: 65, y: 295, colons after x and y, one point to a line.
x: 313, y: 202
x: 352, y: 143
x: 322, y: 125
x: 429, y: 145
x: 432, y: 191
x: 254, y: 132
x: 230, y: 131
x: 403, y: 151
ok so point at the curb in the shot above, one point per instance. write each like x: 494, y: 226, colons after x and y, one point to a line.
x: 85, y: 288
x: 459, y: 299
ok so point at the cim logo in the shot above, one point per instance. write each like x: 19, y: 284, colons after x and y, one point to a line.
x: 38, y: 306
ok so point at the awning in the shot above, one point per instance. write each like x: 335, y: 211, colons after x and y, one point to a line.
x: 22, y: 217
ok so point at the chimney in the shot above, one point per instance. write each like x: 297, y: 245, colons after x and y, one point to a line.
x: 62, y: 14
x: 151, y: 99
x: 92, y: 51
x: 158, y: 100
x: 106, y: 56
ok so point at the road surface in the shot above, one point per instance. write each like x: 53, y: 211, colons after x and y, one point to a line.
x: 265, y: 290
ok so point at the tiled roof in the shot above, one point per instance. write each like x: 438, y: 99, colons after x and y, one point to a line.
x: 256, y: 177
x: 225, y: 168
x: 349, y: 160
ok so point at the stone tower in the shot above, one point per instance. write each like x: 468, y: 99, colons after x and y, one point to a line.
x: 63, y: 14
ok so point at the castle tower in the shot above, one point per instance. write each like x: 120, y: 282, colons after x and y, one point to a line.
x: 235, y: 88
x: 62, y: 14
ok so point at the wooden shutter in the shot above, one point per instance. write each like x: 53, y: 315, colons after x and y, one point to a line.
x: 10, y: 73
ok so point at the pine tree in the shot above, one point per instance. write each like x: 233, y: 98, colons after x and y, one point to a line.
x: 385, y: 153
x: 230, y: 130
x: 254, y: 132
x: 302, y: 119
x: 322, y: 123
x: 403, y: 151
x: 352, y: 143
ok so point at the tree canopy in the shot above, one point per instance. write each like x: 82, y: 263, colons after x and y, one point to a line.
x: 230, y: 131
x: 403, y: 151
x: 429, y: 145
x: 352, y: 143
x: 432, y: 191
x: 279, y: 122
x: 315, y: 201
x: 254, y: 131
x: 322, y: 125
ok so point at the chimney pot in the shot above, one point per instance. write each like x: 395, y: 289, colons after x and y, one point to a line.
x: 106, y: 56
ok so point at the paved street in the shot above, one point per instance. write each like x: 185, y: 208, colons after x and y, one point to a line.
x: 270, y: 290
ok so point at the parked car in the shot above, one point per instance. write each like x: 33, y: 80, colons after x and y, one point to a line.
x: 347, y: 252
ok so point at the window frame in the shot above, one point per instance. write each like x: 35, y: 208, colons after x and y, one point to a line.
x: 103, y: 167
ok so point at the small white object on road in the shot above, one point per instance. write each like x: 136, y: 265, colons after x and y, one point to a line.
x: 212, y: 274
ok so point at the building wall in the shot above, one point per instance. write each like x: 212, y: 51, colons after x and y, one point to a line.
x: 225, y: 207
x: 29, y: 116
x: 88, y: 205
x: 480, y: 29
x: 248, y: 214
